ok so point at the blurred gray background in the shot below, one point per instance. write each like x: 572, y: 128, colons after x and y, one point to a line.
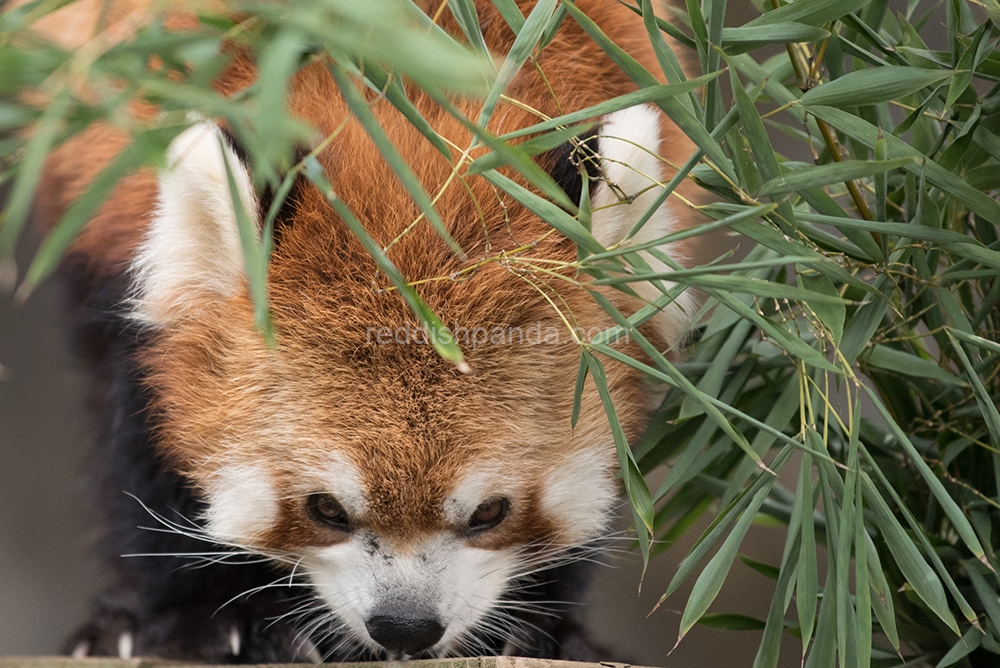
x: 47, y: 527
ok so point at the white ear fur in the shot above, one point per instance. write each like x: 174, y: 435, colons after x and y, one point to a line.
x: 628, y: 144
x: 193, y: 243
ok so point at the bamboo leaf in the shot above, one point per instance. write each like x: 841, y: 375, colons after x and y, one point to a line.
x: 732, y: 622
x: 671, y: 107
x: 525, y: 42
x: 144, y: 149
x: 745, y: 38
x: 439, y: 335
x: 823, y: 175
x: 465, y: 14
x: 898, y: 361
x: 972, y: 639
x: 917, y: 572
x: 399, y: 166
x: 872, y: 86
x: 958, y: 518
x: 44, y: 138
x: 867, y: 134
x: 810, y: 12
x: 708, y: 584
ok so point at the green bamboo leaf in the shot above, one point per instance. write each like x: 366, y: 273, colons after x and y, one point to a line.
x: 732, y: 622
x: 255, y: 255
x: 146, y: 148
x: 566, y: 224
x: 768, y: 236
x: 391, y: 155
x: 745, y: 38
x: 532, y: 147
x: 969, y: 642
x: 525, y: 42
x: 712, y: 577
x: 914, y: 567
x: 978, y: 341
x: 581, y: 379
x: 43, y: 139
x: 966, y: 64
x: 810, y: 12
x: 976, y: 253
x: 666, y: 26
x: 794, y: 345
x: 677, y: 112
x: 279, y: 60
x: 670, y: 375
x: 807, y: 575
x: 987, y: 404
x: 635, y: 485
x: 641, y: 96
x: 831, y: 315
x: 770, y: 644
x: 511, y: 13
x: 882, y: 603
x: 715, y: 18
x: 899, y: 361
x: 988, y: 596
x: 439, y: 335
x: 760, y: 144
x: 767, y: 570
x: 465, y: 14
x: 396, y: 33
x: 835, y: 172
x: 669, y: 64
x: 867, y: 134
x: 723, y: 522
x: 862, y: 589
x: 872, y: 86
x: 552, y: 27
x: 396, y: 95
x: 958, y: 519
x: 904, y: 230
x: 846, y: 613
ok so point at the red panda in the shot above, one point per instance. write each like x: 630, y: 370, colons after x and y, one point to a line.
x: 347, y: 493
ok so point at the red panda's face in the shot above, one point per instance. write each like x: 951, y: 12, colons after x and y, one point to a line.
x: 414, y: 498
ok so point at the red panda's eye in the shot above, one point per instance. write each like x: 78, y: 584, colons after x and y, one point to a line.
x: 327, y: 510
x: 489, y: 514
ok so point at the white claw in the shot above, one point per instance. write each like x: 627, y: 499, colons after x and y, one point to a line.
x: 81, y: 650
x: 309, y: 651
x: 125, y: 642
x: 234, y: 641
x: 509, y: 649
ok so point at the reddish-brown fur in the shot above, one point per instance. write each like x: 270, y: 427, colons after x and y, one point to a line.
x: 411, y: 423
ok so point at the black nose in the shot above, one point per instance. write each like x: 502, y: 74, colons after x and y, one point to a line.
x: 406, y: 634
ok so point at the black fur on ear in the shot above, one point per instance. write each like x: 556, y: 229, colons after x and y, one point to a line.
x: 266, y: 197
x: 563, y: 163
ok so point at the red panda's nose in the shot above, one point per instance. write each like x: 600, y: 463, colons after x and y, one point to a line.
x: 409, y: 632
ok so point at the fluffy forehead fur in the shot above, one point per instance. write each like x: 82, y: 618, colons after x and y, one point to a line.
x: 406, y: 421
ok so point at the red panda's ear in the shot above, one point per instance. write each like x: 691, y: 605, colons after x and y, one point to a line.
x: 632, y: 177
x: 192, y: 248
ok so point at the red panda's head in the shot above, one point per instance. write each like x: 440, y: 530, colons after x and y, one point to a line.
x: 413, y: 497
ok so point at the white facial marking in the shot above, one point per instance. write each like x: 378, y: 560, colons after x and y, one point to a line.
x: 629, y: 145
x: 242, y: 504
x: 579, y: 493
x: 193, y: 241
x: 341, y: 478
x: 441, y: 575
x: 477, y: 486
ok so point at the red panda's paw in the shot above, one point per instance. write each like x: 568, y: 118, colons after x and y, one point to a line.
x: 198, y: 633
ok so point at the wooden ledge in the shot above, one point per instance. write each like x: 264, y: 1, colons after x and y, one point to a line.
x: 474, y: 662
